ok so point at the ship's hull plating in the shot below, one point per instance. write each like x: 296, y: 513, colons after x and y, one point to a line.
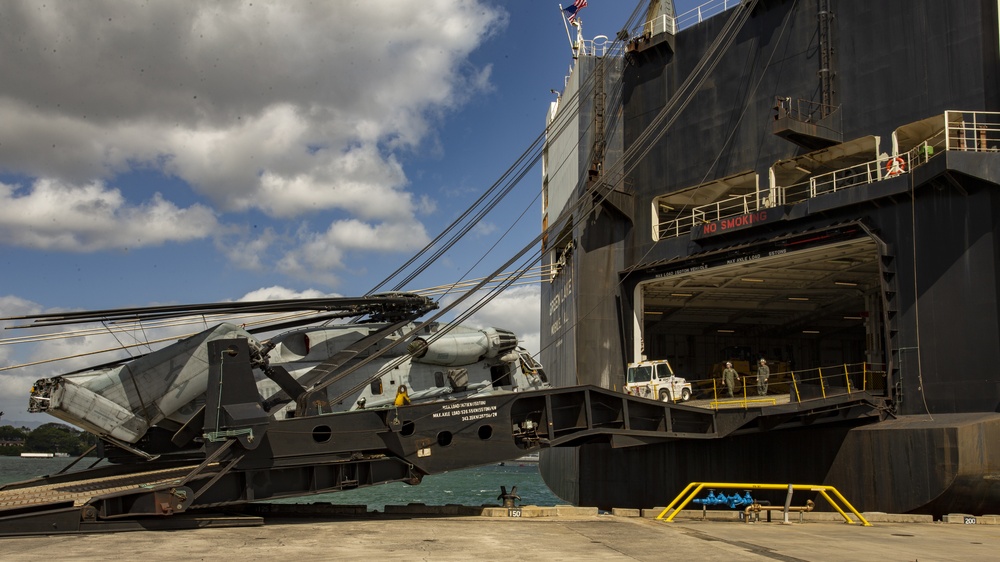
x: 929, y: 237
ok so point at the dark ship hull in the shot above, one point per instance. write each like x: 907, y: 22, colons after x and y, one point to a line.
x: 761, y: 209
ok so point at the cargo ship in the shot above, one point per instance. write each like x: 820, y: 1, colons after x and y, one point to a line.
x: 809, y: 182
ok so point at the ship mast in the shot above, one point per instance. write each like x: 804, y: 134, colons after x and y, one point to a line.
x: 575, y: 46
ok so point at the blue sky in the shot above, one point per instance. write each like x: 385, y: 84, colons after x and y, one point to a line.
x: 181, y: 152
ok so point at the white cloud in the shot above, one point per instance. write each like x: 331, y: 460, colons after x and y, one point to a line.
x: 11, y: 306
x: 288, y: 109
x: 51, y: 215
x: 276, y: 292
x: 360, y: 181
x: 485, y: 230
x: 426, y: 205
x: 247, y: 252
x: 320, y: 253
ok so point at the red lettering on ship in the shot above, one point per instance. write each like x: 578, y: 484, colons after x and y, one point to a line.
x: 734, y: 222
x: 742, y: 220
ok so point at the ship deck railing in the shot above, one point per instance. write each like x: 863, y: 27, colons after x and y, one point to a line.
x: 792, y: 386
x: 601, y: 46
x: 690, y: 18
x: 964, y: 131
x: 972, y: 131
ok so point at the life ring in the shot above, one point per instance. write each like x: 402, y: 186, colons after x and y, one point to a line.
x: 895, y: 166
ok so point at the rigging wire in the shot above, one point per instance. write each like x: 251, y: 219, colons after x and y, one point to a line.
x: 665, y: 119
x: 489, y: 194
x: 492, y: 292
x: 513, y: 278
x: 588, y: 85
x: 502, y: 188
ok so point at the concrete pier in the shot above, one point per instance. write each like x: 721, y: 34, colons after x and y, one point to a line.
x: 416, y: 533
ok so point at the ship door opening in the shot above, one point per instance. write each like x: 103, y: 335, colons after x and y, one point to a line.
x: 802, y: 309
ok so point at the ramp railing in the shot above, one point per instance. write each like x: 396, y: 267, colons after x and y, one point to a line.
x: 791, y: 386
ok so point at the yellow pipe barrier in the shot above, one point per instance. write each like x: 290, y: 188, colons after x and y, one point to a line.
x: 847, y: 378
x: 795, y: 385
x: 821, y: 385
x: 823, y: 491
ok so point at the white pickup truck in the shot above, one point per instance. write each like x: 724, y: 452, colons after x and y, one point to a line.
x: 656, y: 380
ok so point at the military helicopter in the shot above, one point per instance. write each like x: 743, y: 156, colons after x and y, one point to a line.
x: 357, y: 353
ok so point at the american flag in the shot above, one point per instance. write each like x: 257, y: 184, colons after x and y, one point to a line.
x: 575, y: 8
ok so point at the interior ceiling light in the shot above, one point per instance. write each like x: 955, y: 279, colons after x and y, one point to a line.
x: 726, y: 331
x: 845, y: 283
x: 803, y: 170
x: 648, y: 312
x: 852, y: 318
x: 681, y: 294
x: 752, y: 280
x: 798, y: 298
x: 810, y: 331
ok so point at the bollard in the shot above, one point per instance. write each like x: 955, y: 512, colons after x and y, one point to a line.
x: 508, y: 499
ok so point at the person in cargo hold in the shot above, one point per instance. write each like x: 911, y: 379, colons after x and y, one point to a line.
x: 762, y: 373
x: 729, y: 376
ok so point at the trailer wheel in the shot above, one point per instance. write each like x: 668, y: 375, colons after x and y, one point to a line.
x: 685, y: 395
x: 664, y: 395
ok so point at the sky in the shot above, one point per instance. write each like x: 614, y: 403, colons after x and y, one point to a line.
x: 164, y: 152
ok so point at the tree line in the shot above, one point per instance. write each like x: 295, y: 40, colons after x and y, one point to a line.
x: 47, y: 438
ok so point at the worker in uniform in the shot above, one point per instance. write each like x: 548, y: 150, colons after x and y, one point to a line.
x: 729, y: 376
x: 762, y: 373
x: 402, y: 398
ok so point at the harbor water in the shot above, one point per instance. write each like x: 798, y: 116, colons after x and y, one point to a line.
x: 472, y: 486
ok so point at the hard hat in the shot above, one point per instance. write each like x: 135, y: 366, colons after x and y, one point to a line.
x: 728, y: 364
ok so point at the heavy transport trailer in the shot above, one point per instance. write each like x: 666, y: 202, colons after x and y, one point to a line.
x: 245, y: 455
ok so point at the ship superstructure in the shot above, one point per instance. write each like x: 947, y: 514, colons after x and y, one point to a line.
x: 813, y: 182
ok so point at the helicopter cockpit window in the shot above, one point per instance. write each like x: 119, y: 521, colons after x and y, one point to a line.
x: 531, y: 367
x: 500, y: 375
